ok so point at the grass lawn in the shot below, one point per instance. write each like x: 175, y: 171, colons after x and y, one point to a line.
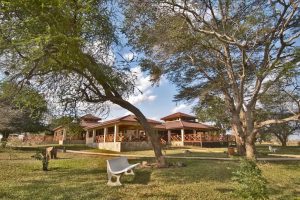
x: 75, y: 176
x: 194, y: 151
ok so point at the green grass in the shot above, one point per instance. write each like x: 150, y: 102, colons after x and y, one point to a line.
x: 75, y: 176
x: 264, y: 150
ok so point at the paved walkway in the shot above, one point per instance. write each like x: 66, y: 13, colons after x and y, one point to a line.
x: 180, y: 157
x: 285, y: 155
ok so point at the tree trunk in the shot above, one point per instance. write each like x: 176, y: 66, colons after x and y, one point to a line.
x: 153, y: 135
x: 240, y: 145
x: 237, y: 131
x: 250, y: 150
x: 4, y: 136
x: 283, y: 141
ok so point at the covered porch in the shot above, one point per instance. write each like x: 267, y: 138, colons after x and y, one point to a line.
x: 118, y: 137
x: 211, y: 138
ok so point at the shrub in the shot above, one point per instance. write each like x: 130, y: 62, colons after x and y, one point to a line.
x: 252, y: 185
x: 42, y: 156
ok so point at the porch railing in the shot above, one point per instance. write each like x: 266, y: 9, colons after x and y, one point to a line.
x: 120, y: 138
x: 176, y: 138
x: 203, y: 138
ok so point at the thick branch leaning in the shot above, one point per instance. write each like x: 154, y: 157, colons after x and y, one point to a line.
x: 277, y: 121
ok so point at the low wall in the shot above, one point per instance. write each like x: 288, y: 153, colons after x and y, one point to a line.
x: 135, y: 146
x: 177, y: 143
x: 111, y: 146
x: 72, y: 142
x: 34, y: 139
x: 89, y: 140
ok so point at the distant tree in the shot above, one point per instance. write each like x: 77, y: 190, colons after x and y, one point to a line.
x: 282, y: 131
x: 235, y: 50
x: 71, y: 124
x: 23, y: 108
x: 279, y: 102
x: 65, y: 48
x: 212, y: 109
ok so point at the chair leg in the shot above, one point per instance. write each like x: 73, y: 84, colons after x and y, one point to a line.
x: 130, y: 172
x: 111, y: 183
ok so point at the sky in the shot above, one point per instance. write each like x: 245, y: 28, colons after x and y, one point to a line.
x: 155, y: 102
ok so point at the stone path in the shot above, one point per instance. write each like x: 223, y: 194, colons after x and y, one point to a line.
x: 182, y: 157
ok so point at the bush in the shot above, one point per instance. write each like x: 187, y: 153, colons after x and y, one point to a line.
x: 42, y: 156
x: 3, y: 144
x: 252, y: 185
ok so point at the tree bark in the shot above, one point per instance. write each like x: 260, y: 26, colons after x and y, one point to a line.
x: 240, y: 145
x: 250, y: 150
x: 4, y: 136
x: 153, y: 135
x: 283, y: 141
x: 239, y: 136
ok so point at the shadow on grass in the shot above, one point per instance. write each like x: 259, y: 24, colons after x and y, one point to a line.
x: 279, y: 192
x: 141, y: 177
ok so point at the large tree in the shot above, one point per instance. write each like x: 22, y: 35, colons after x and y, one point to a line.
x: 66, y: 47
x: 235, y: 50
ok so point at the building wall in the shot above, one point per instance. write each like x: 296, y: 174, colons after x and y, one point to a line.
x: 112, y: 146
x: 177, y: 143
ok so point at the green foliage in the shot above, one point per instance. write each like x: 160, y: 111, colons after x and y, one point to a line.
x: 71, y: 124
x: 24, y: 99
x: 251, y: 183
x: 213, y: 109
x: 3, y: 144
x: 42, y: 156
x: 23, y: 107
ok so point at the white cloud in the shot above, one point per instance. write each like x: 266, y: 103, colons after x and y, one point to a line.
x: 143, y: 84
x: 129, y: 56
x: 180, y: 107
x: 127, y: 113
x: 155, y: 118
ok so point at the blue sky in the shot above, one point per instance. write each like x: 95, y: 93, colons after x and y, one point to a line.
x: 154, y: 101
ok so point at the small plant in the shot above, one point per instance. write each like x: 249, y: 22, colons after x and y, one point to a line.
x: 42, y: 155
x: 252, y: 185
x: 3, y: 144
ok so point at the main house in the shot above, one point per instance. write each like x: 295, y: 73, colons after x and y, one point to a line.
x: 125, y: 133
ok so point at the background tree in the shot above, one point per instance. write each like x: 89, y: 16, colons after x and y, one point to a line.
x: 277, y: 103
x: 71, y: 124
x: 235, y: 50
x: 282, y: 131
x: 212, y: 109
x: 23, y: 109
x: 65, y: 48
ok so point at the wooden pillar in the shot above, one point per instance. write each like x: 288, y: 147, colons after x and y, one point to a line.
x: 86, y: 136
x: 201, y: 139
x: 94, y: 134
x: 116, y: 131
x: 137, y: 134
x: 182, y: 136
x: 105, y: 133
x: 169, y: 136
